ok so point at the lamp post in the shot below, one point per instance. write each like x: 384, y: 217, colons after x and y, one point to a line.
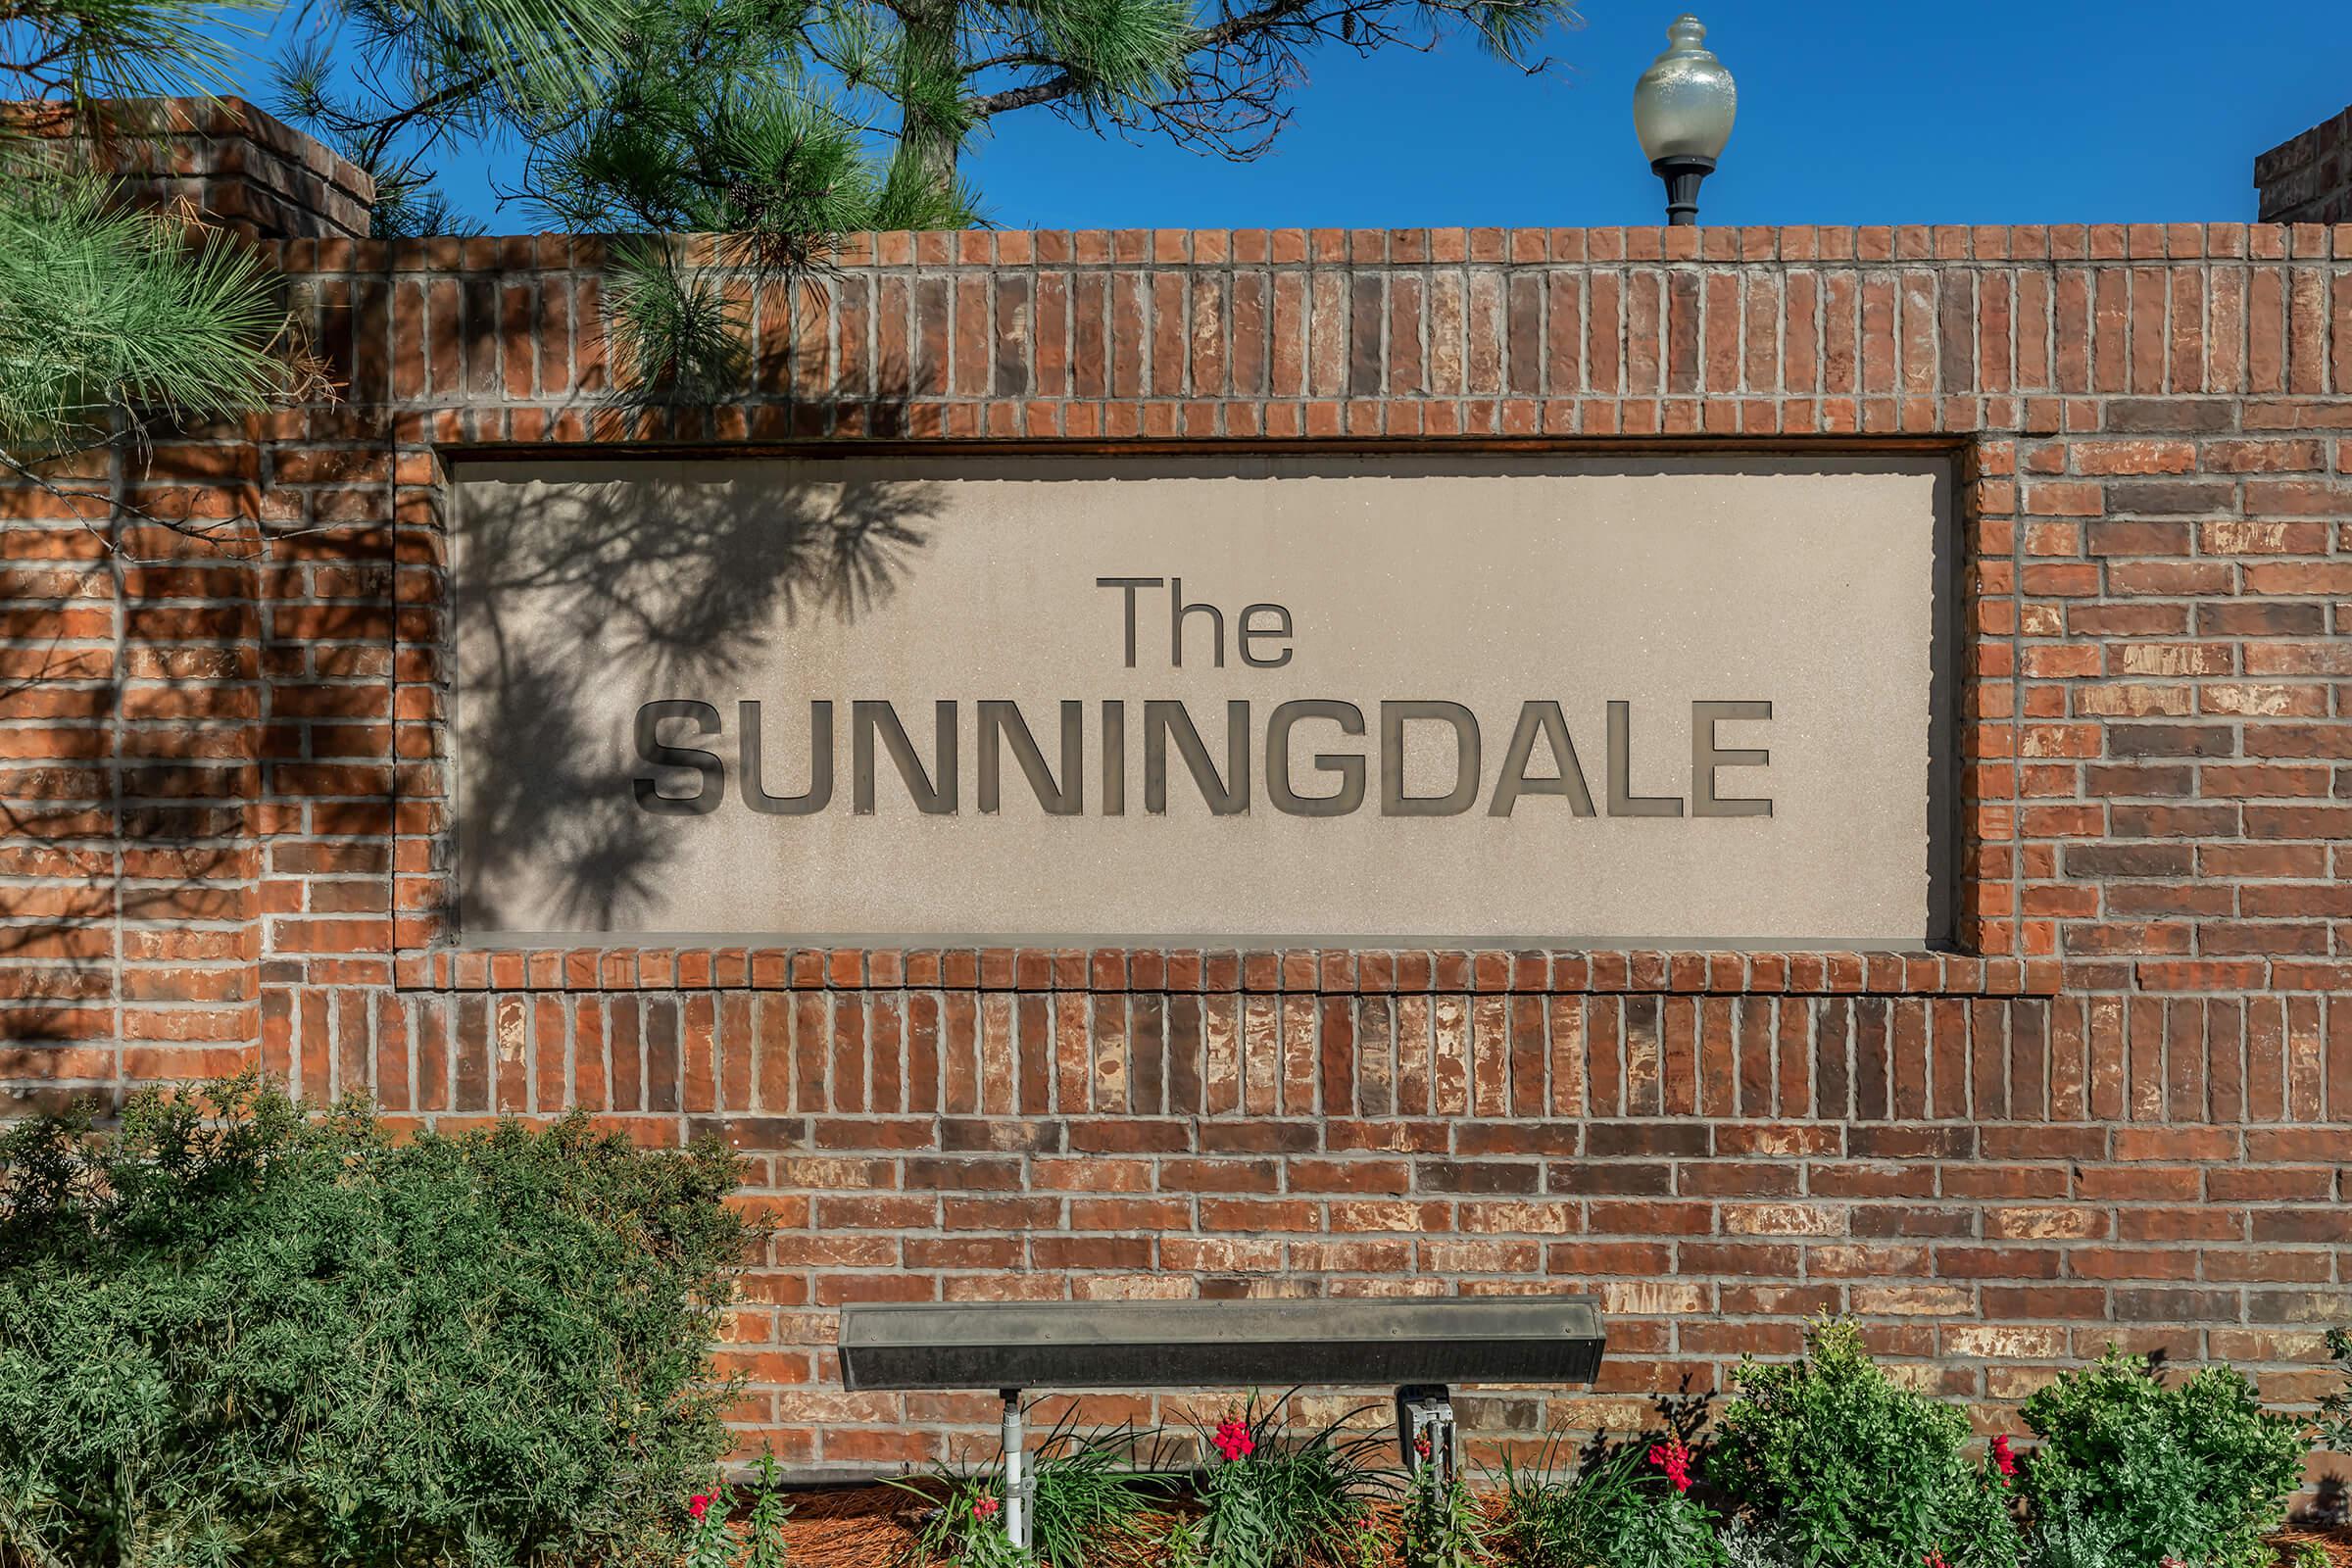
x: 1682, y: 107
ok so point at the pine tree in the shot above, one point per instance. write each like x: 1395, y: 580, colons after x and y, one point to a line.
x: 112, y: 318
x: 776, y: 125
x: 744, y: 119
x: 1215, y: 75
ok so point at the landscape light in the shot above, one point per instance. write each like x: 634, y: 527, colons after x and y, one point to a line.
x: 1682, y: 109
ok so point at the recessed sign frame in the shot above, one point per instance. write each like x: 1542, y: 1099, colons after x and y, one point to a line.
x: 1505, y: 699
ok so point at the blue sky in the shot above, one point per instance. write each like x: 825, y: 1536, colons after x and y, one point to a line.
x: 1850, y: 112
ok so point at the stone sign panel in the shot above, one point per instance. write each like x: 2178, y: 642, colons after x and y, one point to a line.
x: 1506, y: 699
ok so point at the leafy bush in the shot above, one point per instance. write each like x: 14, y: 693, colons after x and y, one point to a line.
x: 230, y: 1333
x: 1841, y: 1465
x: 2129, y: 1470
x: 1628, y: 1507
x: 1275, y: 1500
x: 2334, y: 1432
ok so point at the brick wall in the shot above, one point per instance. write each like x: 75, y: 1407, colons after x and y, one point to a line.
x: 2125, y: 1112
x: 224, y: 162
x: 2308, y: 179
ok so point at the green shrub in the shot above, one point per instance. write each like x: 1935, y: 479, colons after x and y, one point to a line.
x: 1275, y: 1500
x: 2129, y: 1470
x: 1841, y: 1465
x: 1624, y: 1507
x: 232, y: 1334
x: 2335, y: 1428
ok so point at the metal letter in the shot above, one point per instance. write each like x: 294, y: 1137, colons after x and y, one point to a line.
x: 1177, y: 611
x: 1622, y: 800
x: 1547, y: 720
x: 713, y: 785
x: 1393, y: 801
x: 1114, y: 759
x: 1705, y: 760
x: 1000, y: 719
x: 1350, y: 767
x: 821, y: 763
x: 1131, y: 584
x: 933, y: 800
x: 1244, y: 631
x: 1160, y: 718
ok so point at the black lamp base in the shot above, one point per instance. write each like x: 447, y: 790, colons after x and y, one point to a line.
x: 1681, y: 176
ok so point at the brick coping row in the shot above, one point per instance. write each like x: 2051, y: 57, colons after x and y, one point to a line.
x: 1349, y: 971
x: 1898, y: 245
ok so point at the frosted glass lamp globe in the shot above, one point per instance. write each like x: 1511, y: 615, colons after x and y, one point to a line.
x: 1683, y: 110
x: 1685, y: 102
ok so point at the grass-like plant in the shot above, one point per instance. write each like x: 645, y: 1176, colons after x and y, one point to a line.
x: 968, y: 1525
x: 1627, y: 1505
x: 1276, y: 1498
x: 1085, y: 1493
x: 2130, y: 1469
x: 1554, y: 1511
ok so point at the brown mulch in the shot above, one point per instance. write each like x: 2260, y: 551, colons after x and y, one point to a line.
x: 2334, y: 1540
x: 864, y: 1527
x: 877, y: 1525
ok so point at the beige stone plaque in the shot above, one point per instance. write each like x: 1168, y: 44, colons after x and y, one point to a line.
x: 1493, y: 699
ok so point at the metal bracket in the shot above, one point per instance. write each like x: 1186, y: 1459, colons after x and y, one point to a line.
x: 1425, y: 1437
x: 1018, y: 1483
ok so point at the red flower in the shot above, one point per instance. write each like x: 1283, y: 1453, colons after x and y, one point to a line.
x: 698, y: 1506
x: 1933, y: 1560
x: 2002, y: 1457
x: 1421, y: 1445
x: 1234, y: 1440
x: 1674, y: 1459
x: 985, y: 1507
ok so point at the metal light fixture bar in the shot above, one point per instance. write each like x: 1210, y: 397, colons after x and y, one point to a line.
x: 1160, y: 1344
x: 1420, y: 1347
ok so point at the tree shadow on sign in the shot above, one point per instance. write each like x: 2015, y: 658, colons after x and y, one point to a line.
x: 669, y: 583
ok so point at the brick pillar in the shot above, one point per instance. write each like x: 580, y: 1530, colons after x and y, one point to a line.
x: 133, y: 836
x: 2309, y: 179
x: 240, y: 169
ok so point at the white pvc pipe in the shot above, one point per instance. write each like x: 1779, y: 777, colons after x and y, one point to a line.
x: 1017, y: 1483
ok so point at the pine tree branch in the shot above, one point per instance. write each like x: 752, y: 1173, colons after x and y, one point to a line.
x: 989, y: 105
x: 1249, y: 22
x: 391, y: 126
x: 1241, y: 68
